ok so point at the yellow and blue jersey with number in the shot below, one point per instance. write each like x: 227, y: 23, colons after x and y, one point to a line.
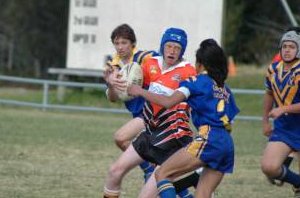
x: 284, y: 86
x: 135, y: 105
x: 213, y: 110
x: 211, y: 105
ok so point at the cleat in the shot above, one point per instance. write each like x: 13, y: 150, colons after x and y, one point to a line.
x: 296, y: 192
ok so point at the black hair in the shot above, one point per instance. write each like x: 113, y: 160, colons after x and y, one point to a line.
x: 294, y: 28
x: 124, y: 31
x: 214, y: 60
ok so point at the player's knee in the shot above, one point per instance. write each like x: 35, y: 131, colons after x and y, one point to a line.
x: 270, y: 169
x: 116, y: 171
x: 120, y: 141
x: 159, y: 174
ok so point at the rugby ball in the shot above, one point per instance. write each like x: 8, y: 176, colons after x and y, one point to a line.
x: 133, y: 74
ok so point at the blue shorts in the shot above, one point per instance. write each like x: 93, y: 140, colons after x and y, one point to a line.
x: 214, y: 147
x: 292, y: 140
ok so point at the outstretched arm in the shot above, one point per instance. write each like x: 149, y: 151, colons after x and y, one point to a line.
x: 165, y: 101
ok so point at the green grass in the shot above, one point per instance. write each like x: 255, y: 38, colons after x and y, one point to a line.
x: 47, y: 154
x: 248, y: 78
x: 61, y: 154
x: 67, y: 154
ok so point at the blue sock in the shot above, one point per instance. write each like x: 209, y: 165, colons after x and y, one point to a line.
x: 290, y: 177
x: 147, y: 168
x: 185, y: 194
x: 166, y: 189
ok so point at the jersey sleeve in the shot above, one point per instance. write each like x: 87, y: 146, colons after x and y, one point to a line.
x: 268, y: 77
x: 185, y: 91
x: 146, y: 73
x: 188, y: 87
x: 142, y: 56
x: 233, y: 109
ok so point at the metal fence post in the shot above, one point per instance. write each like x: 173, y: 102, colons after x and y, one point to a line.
x: 45, y: 95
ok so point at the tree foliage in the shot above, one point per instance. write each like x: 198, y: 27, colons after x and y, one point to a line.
x: 33, y: 33
x: 33, y: 36
x: 257, y: 27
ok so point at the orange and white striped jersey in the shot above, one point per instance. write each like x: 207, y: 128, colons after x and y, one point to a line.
x: 168, y: 126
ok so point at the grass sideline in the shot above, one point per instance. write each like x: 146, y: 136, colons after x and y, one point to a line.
x: 66, y: 154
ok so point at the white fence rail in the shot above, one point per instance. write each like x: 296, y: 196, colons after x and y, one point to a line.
x: 46, y: 105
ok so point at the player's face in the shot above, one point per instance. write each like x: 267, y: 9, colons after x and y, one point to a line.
x: 289, y: 50
x: 171, y: 53
x: 123, y: 47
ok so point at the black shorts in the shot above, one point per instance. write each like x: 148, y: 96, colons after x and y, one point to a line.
x: 146, y: 150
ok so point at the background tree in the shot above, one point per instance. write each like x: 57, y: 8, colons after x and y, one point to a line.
x: 258, y: 25
x: 33, y: 33
x: 33, y: 36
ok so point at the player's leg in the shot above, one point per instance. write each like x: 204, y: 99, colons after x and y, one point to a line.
x: 126, y: 134
x: 208, y: 182
x: 127, y: 161
x: 287, y: 162
x: 149, y: 189
x: 187, y: 180
x: 272, y: 163
x: 178, y: 164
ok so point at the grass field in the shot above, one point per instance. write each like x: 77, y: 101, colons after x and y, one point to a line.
x: 63, y: 154
x: 57, y: 154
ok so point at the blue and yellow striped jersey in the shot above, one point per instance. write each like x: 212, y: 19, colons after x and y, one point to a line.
x: 284, y: 86
x: 211, y: 105
x: 135, y: 105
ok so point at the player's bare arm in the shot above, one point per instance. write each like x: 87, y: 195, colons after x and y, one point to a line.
x: 268, y: 105
x: 162, y: 100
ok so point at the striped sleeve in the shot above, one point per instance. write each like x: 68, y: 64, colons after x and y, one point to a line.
x: 268, y: 77
x: 144, y: 55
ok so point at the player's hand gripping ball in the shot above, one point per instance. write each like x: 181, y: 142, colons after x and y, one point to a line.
x: 132, y: 74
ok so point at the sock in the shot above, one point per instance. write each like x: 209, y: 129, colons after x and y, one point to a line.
x: 290, y: 177
x: 185, y: 194
x: 287, y: 162
x: 111, y: 193
x: 147, y: 168
x: 166, y: 189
